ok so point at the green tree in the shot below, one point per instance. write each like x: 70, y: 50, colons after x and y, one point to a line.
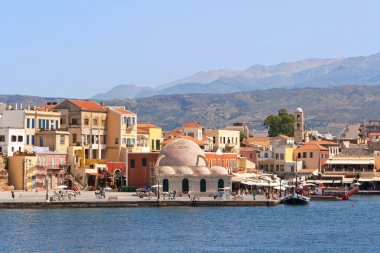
x: 280, y: 124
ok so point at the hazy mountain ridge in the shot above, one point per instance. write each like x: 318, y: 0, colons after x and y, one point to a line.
x: 326, y: 109
x: 311, y: 72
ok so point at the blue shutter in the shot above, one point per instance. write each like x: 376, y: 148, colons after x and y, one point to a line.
x: 27, y: 123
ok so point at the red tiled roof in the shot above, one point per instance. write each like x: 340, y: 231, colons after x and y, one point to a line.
x: 192, y: 124
x: 123, y: 111
x: 285, y: 136
x: 374, y: 134
x: 198, y: 142
x: 312, y: 146
x: 324, y: 142
x: 146, y: 125
x: 142, y: 131
x: 88, y: 105
x: 258, y: 139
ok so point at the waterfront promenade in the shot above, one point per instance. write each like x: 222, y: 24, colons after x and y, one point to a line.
x: 121, y: 199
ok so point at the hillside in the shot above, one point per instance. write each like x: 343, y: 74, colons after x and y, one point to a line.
x: 326, y: 109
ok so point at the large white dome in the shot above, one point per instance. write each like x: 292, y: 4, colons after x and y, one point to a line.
x: 182, y: 152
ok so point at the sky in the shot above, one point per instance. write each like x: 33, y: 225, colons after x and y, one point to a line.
x: 78, y: 48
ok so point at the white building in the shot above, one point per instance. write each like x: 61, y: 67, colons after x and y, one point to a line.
x: 12, y: 140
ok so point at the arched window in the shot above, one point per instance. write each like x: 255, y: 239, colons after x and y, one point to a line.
x: 185, y: 185
x: 220, y: 183
x: 202, y: 186
x: 165, y: 185
x: 298, y: 126
x: 298, y: 117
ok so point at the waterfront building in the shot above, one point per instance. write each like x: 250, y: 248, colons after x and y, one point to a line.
x: 12, y: 140
x: 55, y: 140
x: 149, y: 137
x: 299, y: 126
x: 121, y: 133
x: 367, y: 127
x: 86, y: 121
x: 349, y: 132
x: 31, y: 171
x: 32, y: 120
x: 182, y: 167
x: 313, y: 156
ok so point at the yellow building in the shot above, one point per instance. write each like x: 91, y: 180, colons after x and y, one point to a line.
x: 121, y: 133
x: 149, y: 137
x: 55, y: 140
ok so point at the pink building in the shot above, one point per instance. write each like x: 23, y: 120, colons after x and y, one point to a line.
x: 51, y: 166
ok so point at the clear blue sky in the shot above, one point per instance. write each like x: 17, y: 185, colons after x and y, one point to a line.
x: 80, y: 48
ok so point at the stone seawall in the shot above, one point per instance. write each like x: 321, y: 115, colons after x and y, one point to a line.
x: 148, y: 203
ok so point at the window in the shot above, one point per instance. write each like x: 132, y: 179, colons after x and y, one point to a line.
x: 39, y: 123
x: 299, y: 155
x: 56, y: 124
x: 74, y: 138
x: 304, y: 155
x: 213, y: 140
x: 143, y: 162
x: 86, y: 121
x: 13, y: 138
x: 32, y: 123
x: 47, y: 124
x: 32, y: 139
x: 124, y: 141
x: 158, y: 145
x: 27, y: 140
x: 311, y: 154
x: 276, y: 156
x: 152, y: 144
x: 202, y: 186
x: 27, y: 123
x: 62, y: 139
x: 281, y: 156
x: 2, y: 138
x: 250, y: 155
x: 20, y: 138
x: 133, y: 164
x: 116, y: 140
x: 95, y: 122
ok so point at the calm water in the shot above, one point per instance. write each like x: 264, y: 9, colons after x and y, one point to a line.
x: 350, y: 226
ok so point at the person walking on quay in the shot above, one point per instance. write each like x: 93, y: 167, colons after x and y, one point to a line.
x: 254, y: 194
x: 13, y: 193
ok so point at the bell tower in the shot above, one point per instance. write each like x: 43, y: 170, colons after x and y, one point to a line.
x: 299, y: 131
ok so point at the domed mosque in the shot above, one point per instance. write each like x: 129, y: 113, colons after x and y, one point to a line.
x: 182, y: 167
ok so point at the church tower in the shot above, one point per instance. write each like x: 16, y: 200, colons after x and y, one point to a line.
x: 299, y: 131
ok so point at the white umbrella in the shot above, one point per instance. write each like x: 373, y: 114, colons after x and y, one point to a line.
x: 156, y: 186
x: 107, y: 188
x: 61, y: 186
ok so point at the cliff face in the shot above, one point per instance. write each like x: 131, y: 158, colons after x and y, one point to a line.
x: 4, y: 186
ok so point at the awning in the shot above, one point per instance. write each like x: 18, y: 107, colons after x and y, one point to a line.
x: 376, y: 179
x: 365, y: 179
x: 351, y: 161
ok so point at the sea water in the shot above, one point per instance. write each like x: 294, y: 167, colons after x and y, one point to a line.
x: 336, y: 226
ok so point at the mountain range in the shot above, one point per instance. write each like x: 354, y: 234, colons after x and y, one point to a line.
x: 363, y: 70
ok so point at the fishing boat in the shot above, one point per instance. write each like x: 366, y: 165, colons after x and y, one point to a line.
x: 295, y: 198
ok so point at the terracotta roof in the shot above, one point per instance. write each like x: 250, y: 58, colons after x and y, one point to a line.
x: 198, y: 142
x: 258, y: 139
x: 123, y: 111
x: 374, y: 134
x: 192, y: 124
x: 324, y: 142
x: 88, y: 105
x: 142, y: 131
x: 312, y: 146
x: 146, y: 125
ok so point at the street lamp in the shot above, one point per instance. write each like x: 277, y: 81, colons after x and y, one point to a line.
x: 47, y: 188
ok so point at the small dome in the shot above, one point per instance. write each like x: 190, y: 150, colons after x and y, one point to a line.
x: 184, y: 170
x: 218, y: 170
x: 202, y: 171
x: 182, y: 152
x: 166, y: 170
x: 299, y: 109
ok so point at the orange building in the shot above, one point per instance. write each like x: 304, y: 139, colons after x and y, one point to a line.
x: 141, y: 168
x: 227, y: 160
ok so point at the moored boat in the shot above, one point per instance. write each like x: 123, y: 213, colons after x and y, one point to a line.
x: 295, y: 199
